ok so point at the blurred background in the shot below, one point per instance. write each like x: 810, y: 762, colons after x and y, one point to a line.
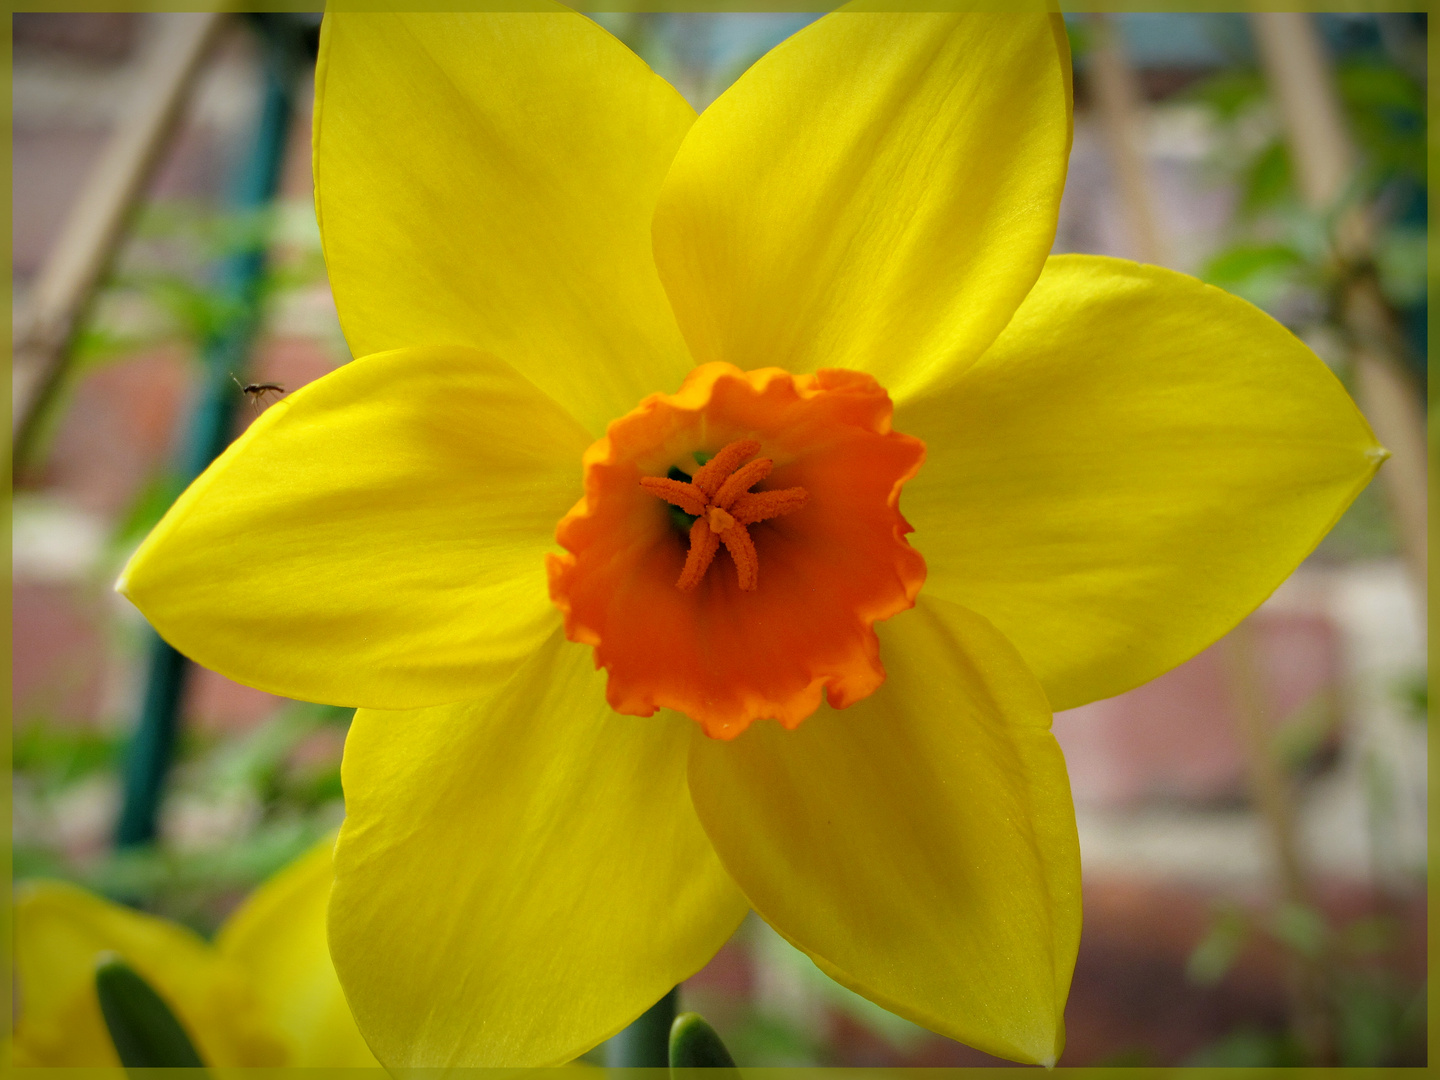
x: 1253, y: 824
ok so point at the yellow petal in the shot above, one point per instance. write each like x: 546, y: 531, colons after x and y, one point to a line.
x: 278, y: 937
x: 519, y: 877
x: 488, y: 180
x: 60, y: 930
x: 375, y: 539
x: 920, y: 845
x: 1134, y: 466
x: 878, y: 192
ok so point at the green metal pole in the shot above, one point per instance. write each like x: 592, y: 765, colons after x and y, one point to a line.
x: 645, y: 1044
x: 238, y: 283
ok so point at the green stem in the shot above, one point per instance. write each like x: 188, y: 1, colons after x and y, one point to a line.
x: 694, y: 1045
x: 645, y: 1044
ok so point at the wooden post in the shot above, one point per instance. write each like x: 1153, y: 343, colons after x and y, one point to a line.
x: 1324, y: 158
x: 45, y: 325
x: 1120, y: 104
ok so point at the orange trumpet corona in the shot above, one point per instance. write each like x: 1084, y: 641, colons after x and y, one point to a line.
x: 728, y: 649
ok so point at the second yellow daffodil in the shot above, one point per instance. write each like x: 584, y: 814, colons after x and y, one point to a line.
x: 264, y: 994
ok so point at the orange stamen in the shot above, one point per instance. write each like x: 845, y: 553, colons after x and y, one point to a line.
x: 703, y: 545
x: 756, y: 506
x: 720, y: 498
x: 742, y: 480
x: 713, y: 473
x: 742, y: 549
x: 677, y: 492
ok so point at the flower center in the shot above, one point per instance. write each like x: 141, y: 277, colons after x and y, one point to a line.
x: 728, y: 649
x: 720, y: 499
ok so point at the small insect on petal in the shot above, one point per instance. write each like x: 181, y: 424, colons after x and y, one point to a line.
x: 256, y: 391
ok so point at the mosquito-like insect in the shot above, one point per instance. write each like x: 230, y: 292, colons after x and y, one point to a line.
x: 256, y: 391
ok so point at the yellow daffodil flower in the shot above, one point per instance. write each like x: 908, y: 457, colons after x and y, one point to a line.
x: 265, y: 993
x: 714, y: 358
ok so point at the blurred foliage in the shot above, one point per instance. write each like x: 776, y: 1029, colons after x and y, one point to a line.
x: 1365, y: 531
x: 1381, y: 794
x: 239, y: 805
x: 162, y: 290
x: 263, y: 797
x: 144, y: 512
x: 52, y: 758
x: 1300, y: 928
x: 1376, y: 1017
x: 1281, y: 255
x: 1386, y: 109
x: 1081, y: 36
x: 162, y: 287
x: 1221, y: 946
x: 1414, y: 693
x: 1377, y: 1023
x: 1306, y: 740
x: 775, y: 1040
x: 792, y: 1015
x: 262, y: 762
x: 200, y: 887
x: 1132, y: 1057
x: 1250, y: 1047
x: 790, y: 1028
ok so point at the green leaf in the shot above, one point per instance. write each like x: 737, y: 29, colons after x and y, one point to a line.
x: 1402, y: 261
x: 1250, y: 1048
x: 1231, y: 92
x: 1304, y: 734
x: 1219, y: 949
x: 55, y: 757
x: 1300, y: 927
x: 1370, y: 936
x: 1268, y: 179
x: 1386, y: 110
x: 1413, y: 692
x: 1082, y: 40
x: 1261, y: 273
x: 694, y: 1045
x: 145, y: 1032
x: 1242, y: 263
x: 146, y: 509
